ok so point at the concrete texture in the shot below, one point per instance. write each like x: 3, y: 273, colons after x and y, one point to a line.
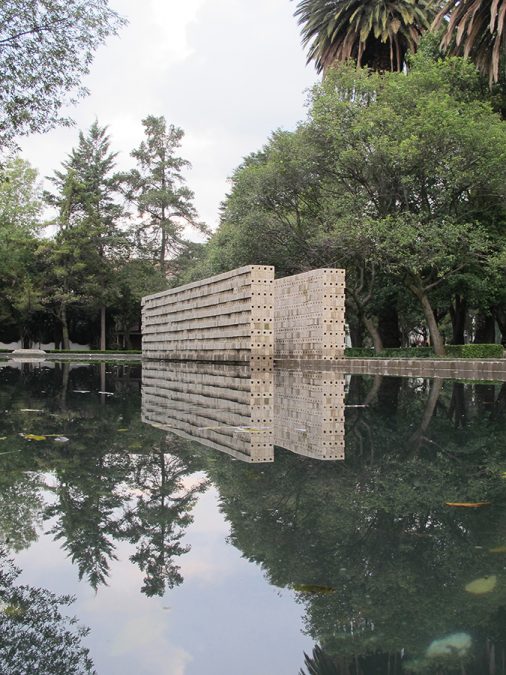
x: 228, y: 317
x: 225, y: 407
x: 309, y: 413
x: 245, y: 412
x: 246, y: 316
x: 309, y: 315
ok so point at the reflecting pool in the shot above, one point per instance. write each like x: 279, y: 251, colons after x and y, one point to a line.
x: 197, y: 519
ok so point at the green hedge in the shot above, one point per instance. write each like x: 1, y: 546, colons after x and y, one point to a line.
x: 359, y: 352
x: 483, y: 351
x: 392, y: 352
x: 475, y: 351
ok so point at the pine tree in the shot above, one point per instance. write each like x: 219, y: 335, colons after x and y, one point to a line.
x: 157, y: 189
x: 89, y: 221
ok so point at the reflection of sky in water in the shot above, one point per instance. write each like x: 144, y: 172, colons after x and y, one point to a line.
x: 223, y: 619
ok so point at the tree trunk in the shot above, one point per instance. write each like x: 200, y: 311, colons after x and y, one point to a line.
x: 356, y: 332
x: 458, y: 408
x: 388, y: 326
x: 102, y: 383
x: 64, y: 327
x: 500, y: 317
x: 102, y: 329
x: 419, y: 436
x: 128, y: 339
x: 458, y: 313
x: 373, y: 332
x: 485, y: 329
x: 435, y: 335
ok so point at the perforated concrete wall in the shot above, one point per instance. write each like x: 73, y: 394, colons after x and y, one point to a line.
x: 309, y: 315
x: 244, y: 412
x: 224, y: 407
x: 228, y: 317
x: 309, y: 413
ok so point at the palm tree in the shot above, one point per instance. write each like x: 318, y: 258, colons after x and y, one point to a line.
x: 475, y: 28
x: 374, y: 33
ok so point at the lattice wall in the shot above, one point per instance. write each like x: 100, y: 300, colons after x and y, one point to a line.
x: 309, y: 315
x: 309, y: 413
x: 228, y: 317
x: 228, y: 408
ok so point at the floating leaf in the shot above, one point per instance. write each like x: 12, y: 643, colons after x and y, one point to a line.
x: 61, y: 439
x: 457, y: 643
x: 33, y: 437
x: 468, y: 505
x: 30, y: 410
x: 3, y: 438
x: 121, y: 429
x: 497, y: 549
x: 482, y: 586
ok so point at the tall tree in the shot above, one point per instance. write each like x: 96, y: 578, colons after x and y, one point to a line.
x: 90, y: 216
x: 46, y: 47
x: 157, y: 189
x: 20, y: 220
x: 375, y: 33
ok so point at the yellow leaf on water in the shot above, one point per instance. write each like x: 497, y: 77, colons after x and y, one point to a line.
x: 468, y: 505
x: 497, y: 549
x: 33, y: 437
x: 482, y: 586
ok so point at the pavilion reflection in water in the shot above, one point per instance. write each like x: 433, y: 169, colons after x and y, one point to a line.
x: 246, y: 411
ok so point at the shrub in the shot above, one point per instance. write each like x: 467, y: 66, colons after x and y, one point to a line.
x: 391, y: 352
x: 475, y: 351
x: 360, y: 352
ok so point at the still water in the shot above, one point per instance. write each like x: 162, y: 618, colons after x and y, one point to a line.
x: 187, y: 520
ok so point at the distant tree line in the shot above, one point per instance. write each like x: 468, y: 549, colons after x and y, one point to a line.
x: 114, y: 234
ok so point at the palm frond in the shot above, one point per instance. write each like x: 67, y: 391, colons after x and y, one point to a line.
x: 476, y: 28
x: 374, y: 33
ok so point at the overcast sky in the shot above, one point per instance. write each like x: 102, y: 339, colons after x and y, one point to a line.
x: 227, y: 71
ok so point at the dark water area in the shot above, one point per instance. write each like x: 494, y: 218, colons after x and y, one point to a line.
x: 147, y: 527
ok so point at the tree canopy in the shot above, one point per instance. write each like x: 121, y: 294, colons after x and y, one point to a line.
x: 46, y: 47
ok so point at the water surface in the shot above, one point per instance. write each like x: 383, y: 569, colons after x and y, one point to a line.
x: 204, y: 525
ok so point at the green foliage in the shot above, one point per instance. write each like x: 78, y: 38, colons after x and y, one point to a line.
x: 391, y: 352
x: 359, y: 352
x: 399, y: 178
x: 476, y: 351
x: 35, y: 635
x: 158, y: 191
x: 47, y: 46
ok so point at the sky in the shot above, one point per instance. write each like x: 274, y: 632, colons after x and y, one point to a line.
x: 228, y: 72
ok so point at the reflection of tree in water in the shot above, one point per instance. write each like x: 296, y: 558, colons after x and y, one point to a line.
x: 35, y: 636
x: 88, y: 497
x: 159, y: 515
x: 141, y: 498
x: 376, y: 528
x: 112, y: 481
